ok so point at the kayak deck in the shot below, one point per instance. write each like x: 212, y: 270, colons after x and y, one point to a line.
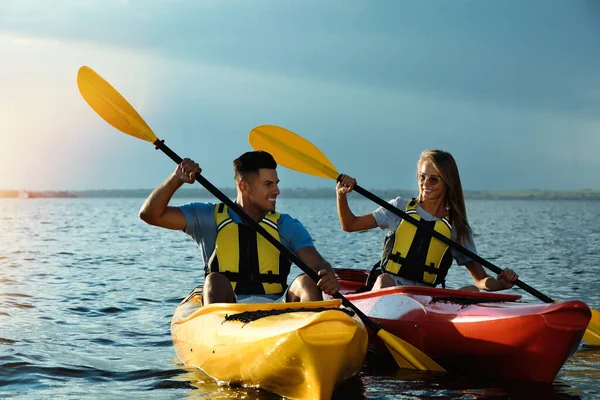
x: 298, y: 350
x: 475, y: 332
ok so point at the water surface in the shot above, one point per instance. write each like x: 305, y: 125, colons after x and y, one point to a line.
x: 87, y: 292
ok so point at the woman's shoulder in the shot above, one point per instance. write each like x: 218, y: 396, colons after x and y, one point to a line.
x: 399, y: 202
x: 388, y: 219
x: 467, y: 239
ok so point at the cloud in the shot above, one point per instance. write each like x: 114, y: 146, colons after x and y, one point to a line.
x: 538, y: 55
x: 507, y: 87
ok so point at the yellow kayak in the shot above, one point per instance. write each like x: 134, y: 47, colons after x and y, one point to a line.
x: 296, y: 350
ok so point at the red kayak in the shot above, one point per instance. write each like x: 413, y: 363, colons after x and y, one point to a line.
x: 474, y: 332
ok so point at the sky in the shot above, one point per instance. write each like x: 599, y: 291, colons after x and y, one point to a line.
x: 510, y: 88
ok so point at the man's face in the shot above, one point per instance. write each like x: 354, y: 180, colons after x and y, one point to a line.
x: 263, y: 190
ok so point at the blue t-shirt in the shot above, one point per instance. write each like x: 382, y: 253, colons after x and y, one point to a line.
x: 201, y: 226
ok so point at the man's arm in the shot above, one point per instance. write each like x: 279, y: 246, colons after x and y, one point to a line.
x: 311, y: 257
x: 156, y: 210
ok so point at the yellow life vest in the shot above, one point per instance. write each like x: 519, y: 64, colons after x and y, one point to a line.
x: 252, y: 264
x: 414, y: 254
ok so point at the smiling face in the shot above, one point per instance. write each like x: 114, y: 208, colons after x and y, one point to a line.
x: 261, y: 190
x: 431, y: 185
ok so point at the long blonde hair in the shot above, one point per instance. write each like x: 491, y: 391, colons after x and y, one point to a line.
x: 445, y: 165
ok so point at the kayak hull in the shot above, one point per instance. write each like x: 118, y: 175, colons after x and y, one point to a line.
x: 299, y: 355
x: 476, y: 332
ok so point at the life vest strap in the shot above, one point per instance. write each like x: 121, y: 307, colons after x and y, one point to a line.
x: 262, y: 278
x: 398, y: 259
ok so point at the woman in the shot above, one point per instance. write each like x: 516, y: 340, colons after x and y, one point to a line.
x: 413, y: 257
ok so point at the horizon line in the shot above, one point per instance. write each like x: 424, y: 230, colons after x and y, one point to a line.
x: 289, y: 188
x: 315, y: 193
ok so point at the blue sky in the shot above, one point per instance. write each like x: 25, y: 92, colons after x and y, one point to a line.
x: 511, y: 88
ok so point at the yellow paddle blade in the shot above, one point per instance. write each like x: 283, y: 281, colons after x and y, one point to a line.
x: 592, y: 333
x: 111, y: 106
x: 407, y: 355
x: 292, y: 151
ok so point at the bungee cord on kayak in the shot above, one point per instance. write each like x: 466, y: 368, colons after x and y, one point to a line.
x: 249, y: 316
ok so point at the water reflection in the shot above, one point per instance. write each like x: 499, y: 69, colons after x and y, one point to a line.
x: 205, y: 387
x: 380, y: 379
x: 383, y: 381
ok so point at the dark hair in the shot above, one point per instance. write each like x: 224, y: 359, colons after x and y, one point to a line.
x: 250, y: 162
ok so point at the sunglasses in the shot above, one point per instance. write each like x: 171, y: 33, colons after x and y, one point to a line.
x: 433, y: 179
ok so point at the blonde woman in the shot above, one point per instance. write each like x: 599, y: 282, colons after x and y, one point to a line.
x: 411, y: 256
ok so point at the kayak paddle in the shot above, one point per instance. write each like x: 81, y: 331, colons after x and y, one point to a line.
x: 114, y: 109
x: 297, y: 153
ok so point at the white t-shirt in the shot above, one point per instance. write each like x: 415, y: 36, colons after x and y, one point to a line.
x: 388, y: 220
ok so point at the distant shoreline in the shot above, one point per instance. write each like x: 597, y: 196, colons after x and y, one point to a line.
x: 309, y: 193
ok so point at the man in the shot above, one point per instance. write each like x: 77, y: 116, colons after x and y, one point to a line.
x: 239, y: 264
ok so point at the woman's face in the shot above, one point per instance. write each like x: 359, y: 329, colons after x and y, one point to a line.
x: 431, y: 185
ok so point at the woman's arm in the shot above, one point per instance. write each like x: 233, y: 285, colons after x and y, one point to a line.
x: 505, y: 280
x: 349, y: 221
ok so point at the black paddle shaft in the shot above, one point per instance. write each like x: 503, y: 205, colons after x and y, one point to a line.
x: 160, y: 144
x: 449, y: 242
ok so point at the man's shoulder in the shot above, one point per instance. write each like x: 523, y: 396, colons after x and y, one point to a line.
x: 293, y: 233
x: 289, y: 225
x: 198, y: 207
x: 287, y: 219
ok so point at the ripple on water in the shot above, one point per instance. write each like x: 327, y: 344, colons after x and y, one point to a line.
x: 107, y: 342
x: 15, y: 295
x: 12, y: 303
x: 79, y: 309
x: 146, y: 300
x: 161, y: 343
x: 19, y: 369
x: 18, y: 374
x: 111, y: 310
